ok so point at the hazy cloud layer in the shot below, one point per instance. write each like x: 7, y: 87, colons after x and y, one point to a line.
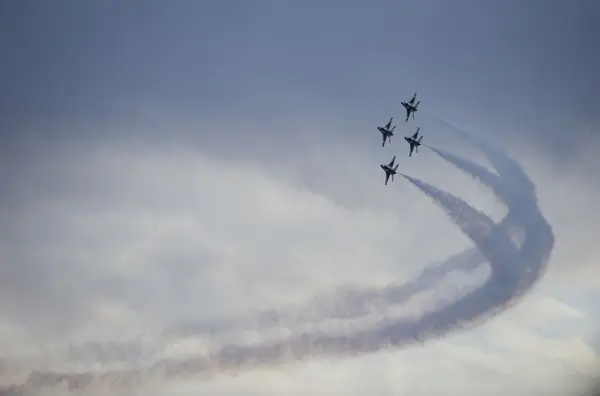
x: 180, y: 177
x: 508, y: 271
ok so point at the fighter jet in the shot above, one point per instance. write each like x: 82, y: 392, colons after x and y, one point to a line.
x: 411, y: 107
x: 389, y: 169
x: 414, y: 141
x: 386, y: 132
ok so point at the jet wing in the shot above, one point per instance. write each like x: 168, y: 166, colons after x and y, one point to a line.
x: 416, y: 133
x: 412, y: 100
x: 412, y: 147
x: 389, y: 124
x: 387, y: 176
x: 392, y: 162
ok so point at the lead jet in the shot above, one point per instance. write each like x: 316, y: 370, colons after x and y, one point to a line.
x: 411, y: 107
x: 414, y: 141
x: 387, y: 131
x: 390, y: 170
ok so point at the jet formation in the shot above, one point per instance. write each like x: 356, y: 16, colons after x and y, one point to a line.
x: 387, y: 131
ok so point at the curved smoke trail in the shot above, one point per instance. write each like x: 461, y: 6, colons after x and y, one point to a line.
x: 514, y: 269
x: 537, y: 246
x: 509, y: 187
x: 510, y: 170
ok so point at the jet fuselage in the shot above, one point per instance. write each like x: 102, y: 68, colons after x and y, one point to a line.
x: 410, y: 140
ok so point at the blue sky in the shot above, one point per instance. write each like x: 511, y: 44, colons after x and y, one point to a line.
x: 167, y: 162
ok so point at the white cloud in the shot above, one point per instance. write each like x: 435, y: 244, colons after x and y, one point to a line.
x: 120, y: 239
x: 173, y: 234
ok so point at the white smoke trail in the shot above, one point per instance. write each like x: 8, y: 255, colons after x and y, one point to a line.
x: 478, y: 172
x: 357, y: 302
x: 494, y: 244
x: 343, y: 303
x: 537, y: 246
x: 510, y: 171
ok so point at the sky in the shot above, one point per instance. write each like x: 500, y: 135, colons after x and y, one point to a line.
x: 172, y: 167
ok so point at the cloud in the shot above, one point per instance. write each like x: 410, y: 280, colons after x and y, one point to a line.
x: 147, y: 221
x: 126, y: 191
x: 155, y: 227
x: 476, y: 225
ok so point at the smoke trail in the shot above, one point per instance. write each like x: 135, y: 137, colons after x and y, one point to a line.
x: 342, y: 303
x: 355, y: 302
x: 537, y: 246
x: 493, y: 243
x: 493, y: 181
x: 387, y: 333
x: 351, y: 303
x: 478, y: 227
x: 511, y: 171
x: 478, y: 172
x: 480, y: 222
x: 394, y: 333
